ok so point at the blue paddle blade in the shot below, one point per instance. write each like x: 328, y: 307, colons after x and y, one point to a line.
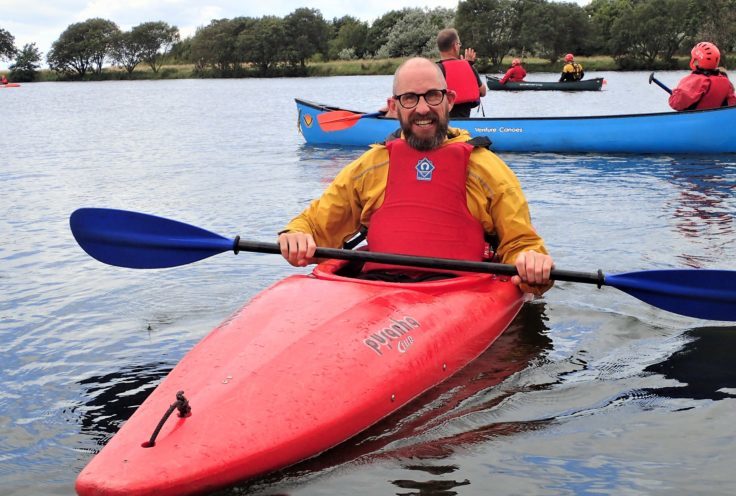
x: 704, y: 294
x: 142, y: 241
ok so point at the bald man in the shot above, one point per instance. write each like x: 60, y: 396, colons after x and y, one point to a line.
x: 454, y: 190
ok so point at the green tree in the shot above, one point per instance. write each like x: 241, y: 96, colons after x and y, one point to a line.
x: 652, y: 29
x: 350, y: 34
x: 379, y: 31
x: 717, y: 24
x: 603, y: 14
x: 27, y: 63
x: 416, y: 33
x: 7, y: 45
x: 309, y: 34
x: 489, y: 26
x: 261, y: 44
x: 540, y: 32
x: 83, y: 47
x: 155, y: 40
x: 127, y: 51
x: 216, y: 45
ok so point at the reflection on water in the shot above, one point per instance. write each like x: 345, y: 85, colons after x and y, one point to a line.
x: 429, y: 488
x: 112, y: 398
x: 704, y: 367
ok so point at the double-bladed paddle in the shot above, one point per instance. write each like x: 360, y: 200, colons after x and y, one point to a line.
x: 142, y: 241
x: 659, y: 83
x: 337, y: 120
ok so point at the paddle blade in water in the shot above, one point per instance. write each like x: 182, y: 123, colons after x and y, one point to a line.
x: 704, y: 294
x: 141, y: 241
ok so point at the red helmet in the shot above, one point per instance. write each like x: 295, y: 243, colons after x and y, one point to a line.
x: 705, y: 55
x: 569, y: 57
x: 515, y: 62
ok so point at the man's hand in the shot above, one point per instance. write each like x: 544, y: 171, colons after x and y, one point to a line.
x: 469, y: 55
x: 297, y: 248
x: 534, y: 270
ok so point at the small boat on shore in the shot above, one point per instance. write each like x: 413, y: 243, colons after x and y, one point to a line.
x: 664, y: 132
x: 494, y: 84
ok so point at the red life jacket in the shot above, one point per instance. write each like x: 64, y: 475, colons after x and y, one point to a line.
x: 717, y: 93
x: 425, y: 210
x: 460, y: 78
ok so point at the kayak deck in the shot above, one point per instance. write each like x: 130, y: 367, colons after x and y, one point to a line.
x: 306, y: 364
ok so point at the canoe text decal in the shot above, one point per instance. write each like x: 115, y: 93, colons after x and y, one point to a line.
x: 499, y: 129
x: 394, y: 333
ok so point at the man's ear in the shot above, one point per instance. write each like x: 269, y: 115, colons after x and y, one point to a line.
x: 451, y: 95
x: 391, y: 103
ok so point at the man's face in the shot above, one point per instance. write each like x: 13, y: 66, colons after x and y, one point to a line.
x: 424, y: 125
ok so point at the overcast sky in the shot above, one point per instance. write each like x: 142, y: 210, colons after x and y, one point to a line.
x: 41, y: 22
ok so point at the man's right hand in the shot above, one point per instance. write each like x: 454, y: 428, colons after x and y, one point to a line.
x: 297, y: 248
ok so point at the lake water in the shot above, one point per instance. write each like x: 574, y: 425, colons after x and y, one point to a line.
x: 589, y: 392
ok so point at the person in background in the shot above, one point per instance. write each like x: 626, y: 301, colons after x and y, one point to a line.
x: 707, y: 86
x: 515, y: 73
x: 3, y: 79
x: 429, y: 190
x: 571, y: 71
x: 461, y: 76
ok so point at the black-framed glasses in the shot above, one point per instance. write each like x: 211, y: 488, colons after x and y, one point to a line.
x: 411, y: 100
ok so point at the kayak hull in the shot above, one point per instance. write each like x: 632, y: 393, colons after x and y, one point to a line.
x: 494, y: 84
x: 10, y: 85
x: 665, y: 132
x: 307, y: 364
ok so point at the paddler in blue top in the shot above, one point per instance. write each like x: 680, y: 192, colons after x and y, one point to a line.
x: 453, y: 190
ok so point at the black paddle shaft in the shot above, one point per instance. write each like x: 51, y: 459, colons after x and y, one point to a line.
x: 596, y: 278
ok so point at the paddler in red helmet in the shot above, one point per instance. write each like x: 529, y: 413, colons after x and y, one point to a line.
x: 515, y: 73
x: 706, y: 86
x: 429, y: 190
x: 571, y: 71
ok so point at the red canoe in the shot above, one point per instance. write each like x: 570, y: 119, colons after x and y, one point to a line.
x: 307, y: 364
x: 10, y: 85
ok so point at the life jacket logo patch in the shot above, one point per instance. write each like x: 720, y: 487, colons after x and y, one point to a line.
x: 425, y: 168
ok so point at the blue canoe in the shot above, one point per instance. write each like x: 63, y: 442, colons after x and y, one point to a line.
x: 694, y: 131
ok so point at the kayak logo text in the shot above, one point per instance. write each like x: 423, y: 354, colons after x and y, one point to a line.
x: 389, y: 335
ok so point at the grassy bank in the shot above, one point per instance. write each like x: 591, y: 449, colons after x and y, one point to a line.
x: 365, y: 67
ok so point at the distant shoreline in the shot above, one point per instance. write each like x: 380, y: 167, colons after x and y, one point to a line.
x: 364, y: 67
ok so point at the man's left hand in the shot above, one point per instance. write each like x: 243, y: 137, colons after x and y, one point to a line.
x: 534, y: 271
x: 469, y: 55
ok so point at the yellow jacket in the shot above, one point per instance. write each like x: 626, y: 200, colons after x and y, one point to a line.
x: 493, y: 193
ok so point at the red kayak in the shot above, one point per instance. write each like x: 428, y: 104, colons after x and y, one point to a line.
x: 10, y: 85
x: 307, y: 364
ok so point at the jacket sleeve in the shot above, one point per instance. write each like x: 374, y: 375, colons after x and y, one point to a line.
x: 506, y: 76
x: 689, y: 92
x: 495, y: 197
x: 510, y: 214
x: 335, y: 215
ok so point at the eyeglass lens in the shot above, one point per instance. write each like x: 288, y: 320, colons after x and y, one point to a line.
x: 411, y: 100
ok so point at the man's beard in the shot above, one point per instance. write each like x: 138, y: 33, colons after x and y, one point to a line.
x: 424, y: 144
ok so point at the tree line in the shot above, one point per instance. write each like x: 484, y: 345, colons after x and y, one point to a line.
x: 638, y: 34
